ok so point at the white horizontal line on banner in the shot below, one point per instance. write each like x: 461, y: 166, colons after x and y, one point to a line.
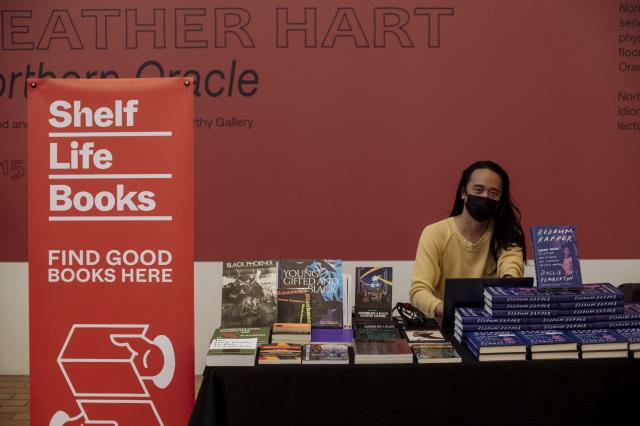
x: 107, y: 218
x: 106, y: 134
x: 114, y: 176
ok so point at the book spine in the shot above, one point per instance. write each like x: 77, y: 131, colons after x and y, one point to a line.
x: 591, y: 311
x: 531, y: 306
x: 564, y: 320
x: 565, y: 326
x: 524, y: 313
x: 617, y: 324
x: 505, y: 298
x: 482, y: 327
x: 591, y: 304
x: 618, y: 317
x: 491, y: 320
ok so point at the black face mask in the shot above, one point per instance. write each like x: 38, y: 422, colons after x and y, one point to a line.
x: 481, y: 208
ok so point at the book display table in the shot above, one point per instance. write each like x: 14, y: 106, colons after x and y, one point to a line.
x: 583, y: 392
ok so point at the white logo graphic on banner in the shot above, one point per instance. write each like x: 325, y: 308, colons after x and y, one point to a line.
x: 124, y: 354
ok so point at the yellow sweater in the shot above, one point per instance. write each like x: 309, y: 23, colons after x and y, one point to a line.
x: 444, y: 253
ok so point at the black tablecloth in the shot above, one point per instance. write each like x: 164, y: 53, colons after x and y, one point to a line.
x: 577, y: 392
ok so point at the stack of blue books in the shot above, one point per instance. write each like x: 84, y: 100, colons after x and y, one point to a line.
x: 496, y: 346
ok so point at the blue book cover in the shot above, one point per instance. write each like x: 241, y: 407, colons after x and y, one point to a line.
x: 631, y: 334
x: 481, y: 316
x: 631, y: 312
x: 555, y: 253
x: 373, y: 293
x: 323, y: 278
x: 597, y: 336
x: 546, y: 337
x: 591, y: 293
x: 332, y: 335
x: 494, y: 339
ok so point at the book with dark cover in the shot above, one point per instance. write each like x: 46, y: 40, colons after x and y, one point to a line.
x: 555, y: 253
x: 631, y: 312
x: 524, y: 313
x: 491, y: 327
x: 520, y: 306
x: 599, y: 339
x: 549, y: 340
x: 598, y: 304
x: 435, y: 352
x: 562, y: 326
x: 260, y: 333
x: 576, y: 319
x: 249, y: 293
x: 481, y: 316
x: 294, y: 305
x: 633, y: 336
x: 496, y: 342
x: 323, y: 278
x: 617, y: 324
x: 589, y: 292
x: 332, y: 335
x: 373, y: 294
x: 377, y: 332
x: 281, y: 353
x: 325, y: 354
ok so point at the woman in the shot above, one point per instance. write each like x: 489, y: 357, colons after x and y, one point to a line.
x: 483, y: 237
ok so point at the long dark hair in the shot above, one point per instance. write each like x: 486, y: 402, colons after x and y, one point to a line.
x: 508, y: 230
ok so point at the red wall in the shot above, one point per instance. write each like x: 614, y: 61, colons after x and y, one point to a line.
x: 353, y: 150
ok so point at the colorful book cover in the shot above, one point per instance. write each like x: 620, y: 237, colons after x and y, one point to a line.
x: 291, y: 328
x: 323, y: 278
x: 631, y: 312
x: 326, y: 354
x: 435, y: 352
x: 332, y: 335
x: 294, y: 305
x: 249, y: 293
x: 260, y: 333
x: 374, y: 286
x: 555, y: 253
x: 597, y: 336
x: 632, y: 335
x: 280, y: 353
x: 547, y: 337
x: 482, y: 340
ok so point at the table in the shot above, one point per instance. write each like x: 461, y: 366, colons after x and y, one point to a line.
x: 585, y: 392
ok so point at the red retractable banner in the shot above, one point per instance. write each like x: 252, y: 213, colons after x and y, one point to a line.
x: 110, y: 169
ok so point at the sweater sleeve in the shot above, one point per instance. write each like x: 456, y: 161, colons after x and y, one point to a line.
x: 426, y: 274
x: 510, y: 262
